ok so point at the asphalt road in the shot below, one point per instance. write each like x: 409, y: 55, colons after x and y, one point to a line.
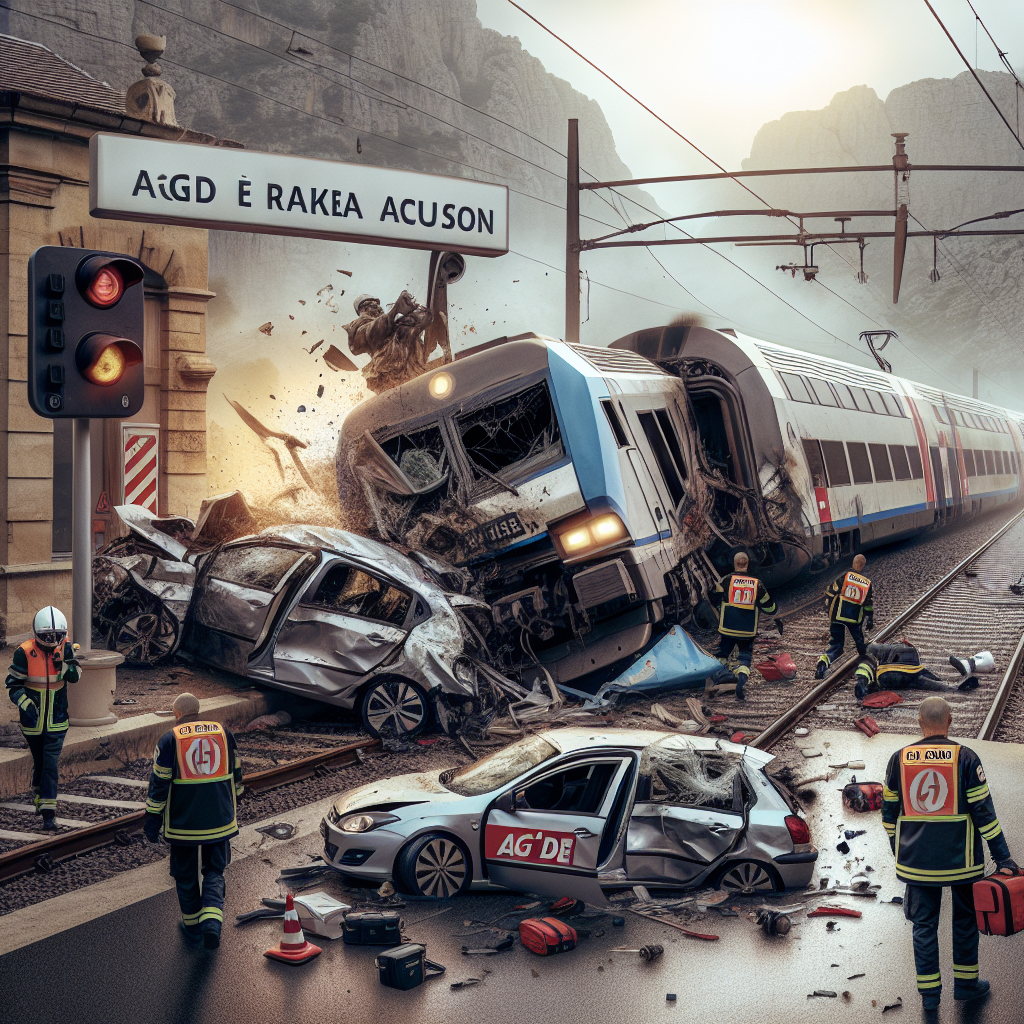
x: 130, y: 966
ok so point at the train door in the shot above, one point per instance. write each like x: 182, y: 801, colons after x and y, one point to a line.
x: 940, y: 482
x: 954, y: 476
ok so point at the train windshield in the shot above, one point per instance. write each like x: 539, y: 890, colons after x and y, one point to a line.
x: 518, y: 431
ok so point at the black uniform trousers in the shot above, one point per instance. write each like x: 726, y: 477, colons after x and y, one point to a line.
x: 202, y: 908
x: 921, y: 905
x: 45, y: 749
x: 837, y: 639
x: 744, y: 655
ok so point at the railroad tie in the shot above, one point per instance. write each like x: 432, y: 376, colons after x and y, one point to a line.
x: 30, y: 809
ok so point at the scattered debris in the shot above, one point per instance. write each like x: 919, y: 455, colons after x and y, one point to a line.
x: 466, y: 983
x: 320, y: 391
x: 824, y: 993
x: 773, y: 922
x: 893, y: 1006
x: 267, y: 328
x: 347, y: 273
x: 829, y: 911
x: 312, y: 348
x: 843, y: 847
x: 847, y: 997
x: 274, y: 721
x: 808, y: 752
x: 646, y: 953
x: 862, y: 796
x: 278, y: 830
x: 801, y: 731
x: 898, y: 900
x: 670, y: 997
x: 291, y: 443
x: 850, y: 834
x: 852, y: 976
x: 338, y: 361
x: 778, y: 667
x: 852, y: 765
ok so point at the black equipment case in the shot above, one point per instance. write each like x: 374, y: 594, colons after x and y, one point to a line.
x: 372, y: 928
x: 406, y: 966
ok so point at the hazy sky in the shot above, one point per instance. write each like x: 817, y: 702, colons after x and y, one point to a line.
x: 717, y: 71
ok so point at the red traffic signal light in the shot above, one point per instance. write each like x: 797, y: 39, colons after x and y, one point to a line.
x: 102, y: 281
x: 85, y: 333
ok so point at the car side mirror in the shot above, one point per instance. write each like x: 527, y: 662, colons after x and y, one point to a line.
x: 507, y: 802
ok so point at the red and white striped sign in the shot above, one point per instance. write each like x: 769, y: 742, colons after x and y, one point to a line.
x: 141, y: 465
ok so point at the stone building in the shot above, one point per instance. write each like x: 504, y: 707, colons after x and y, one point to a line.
x: 49, y: 109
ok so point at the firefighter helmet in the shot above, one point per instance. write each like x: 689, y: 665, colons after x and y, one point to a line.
x: 49, y: 626
x: 366, y: 297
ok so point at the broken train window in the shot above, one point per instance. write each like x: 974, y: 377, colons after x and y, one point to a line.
x: 516, y: 430
x: 421, y: 455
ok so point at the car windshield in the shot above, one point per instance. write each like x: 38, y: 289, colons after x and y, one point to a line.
x: 498, y: 769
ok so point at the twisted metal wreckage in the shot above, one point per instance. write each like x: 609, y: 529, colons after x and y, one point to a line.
x: 438, y: 496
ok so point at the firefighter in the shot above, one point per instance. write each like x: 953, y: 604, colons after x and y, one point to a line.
x: 849, y: 603
x: 936, y: 801
x: 37, y: 683
x: 739, y: 599
x: 193, y: 791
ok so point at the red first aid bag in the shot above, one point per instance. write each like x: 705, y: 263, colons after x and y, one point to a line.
x: 546, y: 935
x: 862, y: 796
x: 999, y: 904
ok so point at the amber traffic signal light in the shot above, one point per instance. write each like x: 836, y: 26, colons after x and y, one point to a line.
x: 85, y: 323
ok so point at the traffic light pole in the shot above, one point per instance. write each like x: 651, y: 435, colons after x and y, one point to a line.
x: 81, y: 535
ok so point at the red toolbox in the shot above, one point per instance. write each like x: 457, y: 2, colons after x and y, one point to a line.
x: 999, y: 904
x: 546, y: 935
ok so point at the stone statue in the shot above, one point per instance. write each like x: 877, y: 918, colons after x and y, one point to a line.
x: 398, y: 342
x: 150, y: 98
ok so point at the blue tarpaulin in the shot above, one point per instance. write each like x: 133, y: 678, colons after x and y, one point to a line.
x: 673, y: 662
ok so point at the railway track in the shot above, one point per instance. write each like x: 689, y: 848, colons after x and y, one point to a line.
x: 971, y: 608
x: 44, y: 855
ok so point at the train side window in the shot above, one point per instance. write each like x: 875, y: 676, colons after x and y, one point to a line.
x: 914, y: 458
x: 615, y: 423
x: 1001, y: 462
x: 661, y: 454
x: 880, y: 460
x: 835, y: 463
x: 815, y: 463
x: 877, y: 405
x: 859, y: 462
x: 860, y: 397
x: 990, y: 463
x: 900, y: 464
x: 892, y: 404
x: 939, y: 414
x: 979, y: 461
x: 969, y: 462
x: 668, y: 431
x: 846, y: 399
x: 797, y: 388
x: 823, y: 392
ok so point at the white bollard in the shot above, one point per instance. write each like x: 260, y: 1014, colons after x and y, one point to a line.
x: 90, y: 699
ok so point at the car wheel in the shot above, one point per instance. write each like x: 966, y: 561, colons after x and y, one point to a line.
x: 144, y: 637
x: 435, y: 867
x: 747, y: 876
x: 395, y: 709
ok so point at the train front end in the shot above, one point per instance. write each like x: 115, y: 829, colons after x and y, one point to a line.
x: 510, y: 462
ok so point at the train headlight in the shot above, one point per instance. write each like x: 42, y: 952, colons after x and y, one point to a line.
x: 586, y: 534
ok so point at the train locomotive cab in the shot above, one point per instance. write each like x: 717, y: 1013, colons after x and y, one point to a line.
x: 557, y: 475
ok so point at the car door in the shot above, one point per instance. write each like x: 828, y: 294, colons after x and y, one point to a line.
x: 346, y: 622
x: 238, y: 598
x: 672, y: 842
x: 548, y: 834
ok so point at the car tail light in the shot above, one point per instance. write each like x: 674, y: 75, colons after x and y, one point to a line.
x: 798, y: 830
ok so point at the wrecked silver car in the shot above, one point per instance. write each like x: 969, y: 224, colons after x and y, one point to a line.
x: 315, y: 611
x: 576, y: 812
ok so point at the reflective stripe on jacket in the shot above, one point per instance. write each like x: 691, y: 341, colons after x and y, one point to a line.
x: 850, y: 599
x: 740, y: 598
x: 936, y: 809
x: 195, y: 783
x: 34, y: 679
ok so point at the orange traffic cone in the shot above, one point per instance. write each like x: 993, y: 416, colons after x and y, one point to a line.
x: 293, y: 947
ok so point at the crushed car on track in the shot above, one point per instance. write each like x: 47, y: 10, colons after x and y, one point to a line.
x: 576, y: 812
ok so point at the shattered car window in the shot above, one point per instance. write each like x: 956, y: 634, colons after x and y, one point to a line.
x: 260, y: 567
x: 580, y: 789
x: 420, y: 455
x: 691, y: 778
x: 511, y: 431
x: 498, y: 769
x: 354, y: 592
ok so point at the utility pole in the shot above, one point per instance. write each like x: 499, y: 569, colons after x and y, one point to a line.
x: 572, y: 235
x: 974, y: 384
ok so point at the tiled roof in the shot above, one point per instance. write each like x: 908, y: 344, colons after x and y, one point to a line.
x: 31, y: 68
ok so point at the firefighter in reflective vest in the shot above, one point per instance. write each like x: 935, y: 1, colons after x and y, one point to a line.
x: 936, y: 809
x: 739, y: 599
x: 193, y: 791
x: 849, y: 603
x: 37, y: 683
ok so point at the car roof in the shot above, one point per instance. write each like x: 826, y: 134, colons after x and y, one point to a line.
x: 581, y: 738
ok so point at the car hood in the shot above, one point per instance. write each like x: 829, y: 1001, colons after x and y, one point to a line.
x: 418, y: 787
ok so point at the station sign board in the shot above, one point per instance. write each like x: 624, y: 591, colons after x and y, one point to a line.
x: 243, y: 190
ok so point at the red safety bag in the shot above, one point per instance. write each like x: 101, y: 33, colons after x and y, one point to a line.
x: 546, y: 935
x: 999, y: 904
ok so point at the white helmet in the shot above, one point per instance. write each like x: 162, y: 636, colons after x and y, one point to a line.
x: 49, y: 626
x: 365, y: 297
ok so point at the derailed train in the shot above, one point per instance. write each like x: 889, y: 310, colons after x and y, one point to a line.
x: 593, y: 494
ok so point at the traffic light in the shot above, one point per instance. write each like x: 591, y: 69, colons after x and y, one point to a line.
x: 85, y: 323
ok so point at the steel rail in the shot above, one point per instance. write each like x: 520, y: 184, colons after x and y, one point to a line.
x: 995, y: 713
x: 802, y: 707
x: 46, y: 854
